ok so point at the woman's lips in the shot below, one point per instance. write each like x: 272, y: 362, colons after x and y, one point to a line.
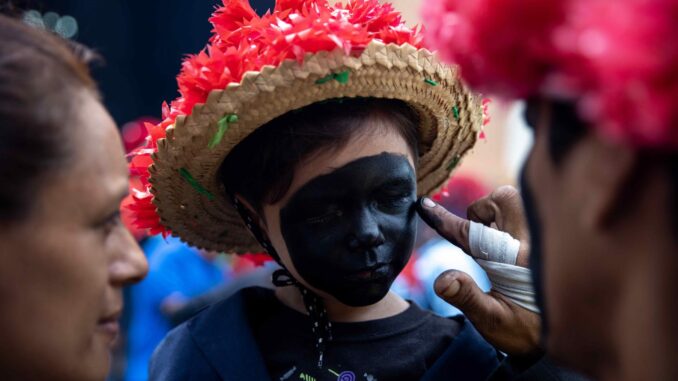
x: 110, y: 327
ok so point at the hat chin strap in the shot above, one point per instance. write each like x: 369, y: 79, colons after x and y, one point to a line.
x: 321, y: 326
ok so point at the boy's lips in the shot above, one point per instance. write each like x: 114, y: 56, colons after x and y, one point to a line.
x: 369, y: 273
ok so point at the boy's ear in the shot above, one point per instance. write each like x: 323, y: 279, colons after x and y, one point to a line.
x: 256, y: 224
x: 253, y: 214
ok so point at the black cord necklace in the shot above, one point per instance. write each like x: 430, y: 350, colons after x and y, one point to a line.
x: 321, y: 326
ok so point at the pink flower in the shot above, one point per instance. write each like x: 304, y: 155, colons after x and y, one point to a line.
x: 501, y: 45
x: 616, y: 58
x: 630, y: 58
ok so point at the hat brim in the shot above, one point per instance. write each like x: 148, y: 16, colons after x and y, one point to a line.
x: 192, y: 203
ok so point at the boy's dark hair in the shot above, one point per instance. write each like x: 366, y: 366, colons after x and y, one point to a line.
x: 39, y: 75
x: 261, y: 167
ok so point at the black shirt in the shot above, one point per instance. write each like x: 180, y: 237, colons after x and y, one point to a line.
x: 401, y: 347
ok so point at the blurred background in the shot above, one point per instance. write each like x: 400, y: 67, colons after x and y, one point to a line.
x: 142, y: 44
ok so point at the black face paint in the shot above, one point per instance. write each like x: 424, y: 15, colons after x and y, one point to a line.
x: 351, y: 232
x: 535, y: 249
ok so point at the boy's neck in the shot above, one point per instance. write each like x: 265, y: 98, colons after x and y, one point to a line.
x: 390, y: 305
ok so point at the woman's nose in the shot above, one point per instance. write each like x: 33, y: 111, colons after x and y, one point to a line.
x: 129, y: 265
x: 365, y: 232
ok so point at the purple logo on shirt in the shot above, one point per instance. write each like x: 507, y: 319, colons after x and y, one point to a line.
x: 346, y: 376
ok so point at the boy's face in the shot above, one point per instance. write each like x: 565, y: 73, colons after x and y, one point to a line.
x: 346, y: 227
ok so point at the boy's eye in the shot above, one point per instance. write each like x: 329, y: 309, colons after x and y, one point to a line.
x: 394, y: 199
x: 325, y: 217
x: 397, y: 196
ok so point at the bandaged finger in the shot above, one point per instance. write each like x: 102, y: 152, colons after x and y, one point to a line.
x: 492, y: 245
x: 514, y: 282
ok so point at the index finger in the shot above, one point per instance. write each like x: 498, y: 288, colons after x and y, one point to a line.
x: 450, y: 226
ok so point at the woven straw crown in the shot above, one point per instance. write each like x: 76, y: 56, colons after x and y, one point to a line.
x: 182, y: 176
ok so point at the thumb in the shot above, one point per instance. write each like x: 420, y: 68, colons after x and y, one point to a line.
x: 461, y: 291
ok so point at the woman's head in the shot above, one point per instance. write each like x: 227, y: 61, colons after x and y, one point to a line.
x: 333, y: 186
x: 64, y: 253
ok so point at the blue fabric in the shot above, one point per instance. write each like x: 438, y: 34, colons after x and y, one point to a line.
x: 218, y: 345
x: 176, y: 270
x: 437, y: 256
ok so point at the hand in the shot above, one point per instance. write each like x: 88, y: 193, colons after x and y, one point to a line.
x: 509, y: 327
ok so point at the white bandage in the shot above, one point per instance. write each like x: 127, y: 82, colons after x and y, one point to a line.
x: 514, y: 282
x: 492, y: 245
x: 496, y: 252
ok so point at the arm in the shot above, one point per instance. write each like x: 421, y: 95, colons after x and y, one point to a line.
x: 503, y: 323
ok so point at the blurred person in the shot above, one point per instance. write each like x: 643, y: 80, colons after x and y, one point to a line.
x: 600, y: 185
x: 65, y: 255
x: 177, y: 274
x: 248, y: 270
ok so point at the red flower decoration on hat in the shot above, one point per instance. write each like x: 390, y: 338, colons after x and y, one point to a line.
x: 243, y: 41
x: 616, y: 58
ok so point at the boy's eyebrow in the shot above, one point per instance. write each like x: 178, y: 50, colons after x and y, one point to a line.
x: 398, y: 181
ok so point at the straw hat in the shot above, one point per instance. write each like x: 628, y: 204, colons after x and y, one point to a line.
x: 374, y: 55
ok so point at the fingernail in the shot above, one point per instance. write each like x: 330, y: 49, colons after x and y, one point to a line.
x: 427, y: 202
x: 447, y: 285
x: 452, y: 288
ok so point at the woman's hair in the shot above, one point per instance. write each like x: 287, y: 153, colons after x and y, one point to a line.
x: 41, y: 77
x: 261, y: 167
